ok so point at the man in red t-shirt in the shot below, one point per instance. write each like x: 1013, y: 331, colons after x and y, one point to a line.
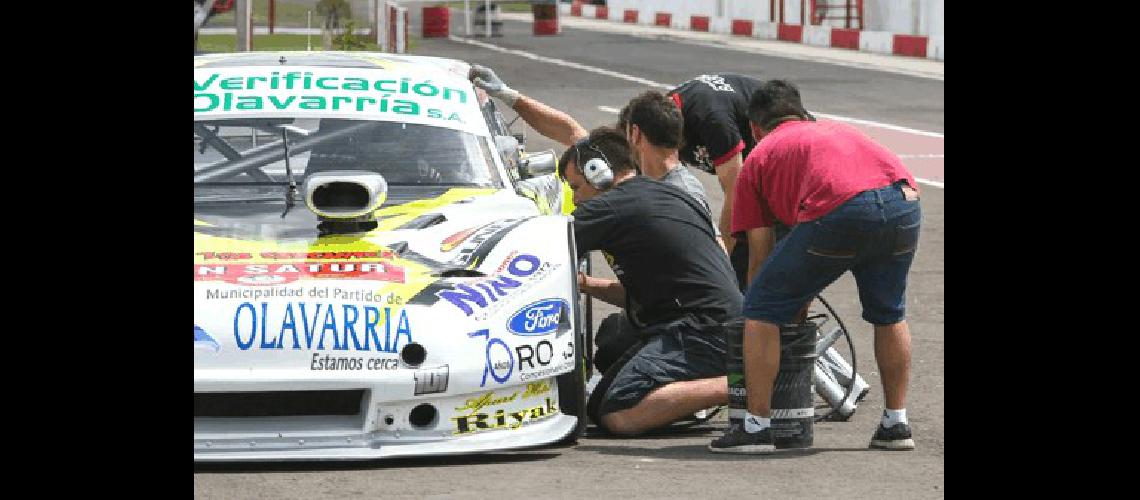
x: 852, y: 207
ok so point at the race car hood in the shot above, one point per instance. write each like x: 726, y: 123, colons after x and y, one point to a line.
x: 273, y: 297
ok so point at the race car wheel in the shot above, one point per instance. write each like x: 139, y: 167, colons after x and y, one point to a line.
x: 572, y: 386
x: 572, y: 393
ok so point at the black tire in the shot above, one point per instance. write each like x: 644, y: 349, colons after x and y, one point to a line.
x: 572, y: 386
x: 572, y: 394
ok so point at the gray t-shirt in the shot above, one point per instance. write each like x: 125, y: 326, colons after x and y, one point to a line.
x: 682, y: 178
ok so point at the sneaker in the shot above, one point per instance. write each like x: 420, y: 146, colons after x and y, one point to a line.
x: 895, y: 437
x: 737, y: 440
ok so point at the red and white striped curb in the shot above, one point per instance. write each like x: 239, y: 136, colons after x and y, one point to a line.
x: 881, y: 42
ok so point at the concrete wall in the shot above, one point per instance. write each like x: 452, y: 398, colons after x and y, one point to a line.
x: 883, y: 19
x: 934, y: 15
x: 904, y: 17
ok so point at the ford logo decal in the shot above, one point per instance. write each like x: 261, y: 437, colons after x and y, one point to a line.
x: 538, y: 318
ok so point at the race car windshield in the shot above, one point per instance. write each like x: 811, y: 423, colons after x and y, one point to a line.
x: 242, y: 154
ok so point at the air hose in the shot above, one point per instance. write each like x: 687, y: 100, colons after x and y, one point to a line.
x: 854, y: 373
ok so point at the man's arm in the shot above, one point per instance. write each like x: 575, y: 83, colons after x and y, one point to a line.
x: 761, y: 240
x: 549, y: 122
x: 544, y: 119
x: 609, y: 291
x: 726, y: 173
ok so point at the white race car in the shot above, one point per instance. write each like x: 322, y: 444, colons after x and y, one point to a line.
x: 378, y: 270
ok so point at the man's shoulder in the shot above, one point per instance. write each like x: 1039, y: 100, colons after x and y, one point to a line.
x: 596, y: 205
x: 682, y: 178
x: 624, y: 193
x: 633, y: 191
x: 788, y: 137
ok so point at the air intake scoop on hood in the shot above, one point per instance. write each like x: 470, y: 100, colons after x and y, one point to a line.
x: 345, y: 194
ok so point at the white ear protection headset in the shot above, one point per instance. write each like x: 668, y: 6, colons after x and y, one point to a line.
x: 596, y: 170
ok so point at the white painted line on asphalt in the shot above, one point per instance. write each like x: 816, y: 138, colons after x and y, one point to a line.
x: 561, y: 62
x: 651, y: 83
x: 920, y: 180
x: 878, y: 124
x: 801, y: 57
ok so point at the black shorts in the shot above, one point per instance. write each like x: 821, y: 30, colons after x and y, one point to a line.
x: 686, y: 349
x: 739, y: 260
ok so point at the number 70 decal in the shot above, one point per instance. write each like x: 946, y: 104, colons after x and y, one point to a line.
x: 499, y: 358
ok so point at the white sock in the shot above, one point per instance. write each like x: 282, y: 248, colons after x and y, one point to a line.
x: 753, y: 423
x: 892, y: 417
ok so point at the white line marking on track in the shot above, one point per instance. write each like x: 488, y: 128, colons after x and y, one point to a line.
x: 938, y: 155
x: 651, y: 83
x: 561, y: 62
x: 930, y: 182
x: 878, y: 124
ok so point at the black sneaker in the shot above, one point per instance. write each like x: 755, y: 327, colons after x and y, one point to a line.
x: 737, y: 440
x: 895, y: 437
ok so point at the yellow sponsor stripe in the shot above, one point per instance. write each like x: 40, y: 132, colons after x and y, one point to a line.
x: 399, y: 215
x: 380, y: 62
x: 416, y: 276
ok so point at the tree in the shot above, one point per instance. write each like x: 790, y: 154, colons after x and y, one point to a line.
x: 333, y: 11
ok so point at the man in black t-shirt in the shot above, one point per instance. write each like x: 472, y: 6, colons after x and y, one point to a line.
x: 717, y: 139
x: 674, y: 281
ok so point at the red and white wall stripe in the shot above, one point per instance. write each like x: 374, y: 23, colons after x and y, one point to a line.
x: 900, y: 27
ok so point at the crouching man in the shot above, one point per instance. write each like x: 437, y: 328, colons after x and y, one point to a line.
x: 674, y: 281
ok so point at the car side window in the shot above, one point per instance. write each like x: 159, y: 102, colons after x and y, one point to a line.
x: 495, y: 119
x: 498, y: 127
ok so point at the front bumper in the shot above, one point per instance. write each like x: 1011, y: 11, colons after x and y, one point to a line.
x: 492, y: 419
x: 364, y: 446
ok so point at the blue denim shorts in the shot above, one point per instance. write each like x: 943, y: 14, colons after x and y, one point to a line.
x: 874, y: 235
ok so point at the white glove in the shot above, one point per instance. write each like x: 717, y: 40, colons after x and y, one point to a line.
x: 486, y: 79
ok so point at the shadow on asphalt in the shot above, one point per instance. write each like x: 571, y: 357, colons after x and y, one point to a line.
x: 384, y: 463
x: 701, y: 452
x: 593, y: 432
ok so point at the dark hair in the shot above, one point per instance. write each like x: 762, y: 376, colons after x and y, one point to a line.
x: 612, y: 144
x: 623, y: 119
x: 774, y: 102
x: 657, y: 117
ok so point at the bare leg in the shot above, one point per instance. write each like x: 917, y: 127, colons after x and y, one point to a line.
x: 761, y: 363
x: 892, y: 352
x: 667, y: 404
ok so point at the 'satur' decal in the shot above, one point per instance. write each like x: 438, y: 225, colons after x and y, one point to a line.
x: 286, y: 272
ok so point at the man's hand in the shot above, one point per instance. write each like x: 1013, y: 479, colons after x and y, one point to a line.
x: 608, y: 291
x: 549, y: 122
x: 486, y: 79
